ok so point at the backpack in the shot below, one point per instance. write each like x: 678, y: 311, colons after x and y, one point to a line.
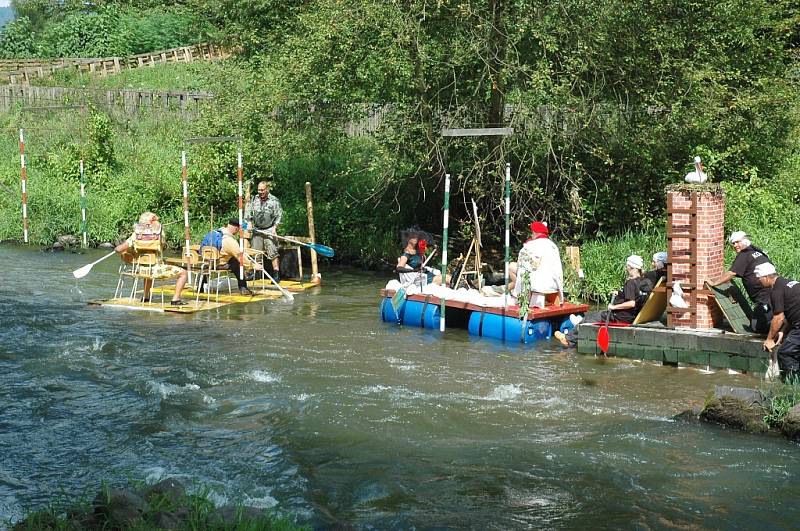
x: 212, y: 239
x: 645, y: 288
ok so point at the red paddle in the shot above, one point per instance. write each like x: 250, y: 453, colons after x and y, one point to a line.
x: 602, y: 336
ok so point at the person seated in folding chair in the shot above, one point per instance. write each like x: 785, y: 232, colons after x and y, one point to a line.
x: 229, y: 256
x: 410, y: 263
x: 626, y: 304
x: 538, y: 268
x: 145, y: 233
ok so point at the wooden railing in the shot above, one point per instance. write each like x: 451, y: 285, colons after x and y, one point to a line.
x: 128, y: 101
x: 21, y: 71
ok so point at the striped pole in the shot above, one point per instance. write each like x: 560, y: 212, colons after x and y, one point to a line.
x: 445, y: 225
x: 241, y: 213
x: 186, y: 233
x: 508, y: 231
x: 24, y: 178
x: 83, y: 207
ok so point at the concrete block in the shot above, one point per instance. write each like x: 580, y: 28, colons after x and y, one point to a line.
x: 587, y: 347
x: 629, y: 350
x: 739, y: 363
x: 653, y: 353
x: 670, y: 355
x: 694, y: 357
x: 684, y: 341
x: 759, y: 364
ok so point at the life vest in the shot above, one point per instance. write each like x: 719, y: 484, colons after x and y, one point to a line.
x: 212, y: 239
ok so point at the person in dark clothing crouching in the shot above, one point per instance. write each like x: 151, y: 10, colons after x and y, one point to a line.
x: 659, y: 270
x: 785, y: 301
x: 748, y: 257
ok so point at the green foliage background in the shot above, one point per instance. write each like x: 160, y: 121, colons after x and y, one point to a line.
x: 609, y: 102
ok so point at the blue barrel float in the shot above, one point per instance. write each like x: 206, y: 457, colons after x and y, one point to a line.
x: 411, y: 313
x: 388, y: 314
x: 509, y: 328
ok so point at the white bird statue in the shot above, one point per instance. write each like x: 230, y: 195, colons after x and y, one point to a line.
x: 676, y: 301
x: 698, y: 175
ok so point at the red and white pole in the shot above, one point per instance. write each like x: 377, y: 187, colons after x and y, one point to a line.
x: 239, y: 173
x: 187, y: 237
x: 24, y: 178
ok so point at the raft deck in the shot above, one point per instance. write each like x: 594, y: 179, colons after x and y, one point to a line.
x: 261, y: 292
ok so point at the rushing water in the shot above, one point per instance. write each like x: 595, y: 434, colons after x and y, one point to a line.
x: 320, y: 410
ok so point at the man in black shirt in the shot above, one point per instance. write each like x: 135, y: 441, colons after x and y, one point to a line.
x: 785, y: 301
x: 659, y: 269
x: 748, y: 257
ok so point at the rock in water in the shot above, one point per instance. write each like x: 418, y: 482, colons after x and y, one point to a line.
x: 791, y: 424
x: 67, y: 240
x: 120, y: 507
x: 738, y: 408
x: 169, y: 489
x: 106, y: 245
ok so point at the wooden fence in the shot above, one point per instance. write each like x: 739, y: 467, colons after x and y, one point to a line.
x: 128, y: 101
x: 21, y: 71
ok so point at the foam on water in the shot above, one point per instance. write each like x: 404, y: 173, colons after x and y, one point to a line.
x: 263, y: 376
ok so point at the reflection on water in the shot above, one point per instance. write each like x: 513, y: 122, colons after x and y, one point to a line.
x: 318, y: 409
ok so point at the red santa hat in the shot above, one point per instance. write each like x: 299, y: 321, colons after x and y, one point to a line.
x: 540, y: 227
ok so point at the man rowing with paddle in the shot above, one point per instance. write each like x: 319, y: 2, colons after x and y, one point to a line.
x: 263, y: 213
x: 147, y: 231
x: 229, y: 255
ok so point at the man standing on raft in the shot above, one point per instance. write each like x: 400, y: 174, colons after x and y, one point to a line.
x: 264, y: 213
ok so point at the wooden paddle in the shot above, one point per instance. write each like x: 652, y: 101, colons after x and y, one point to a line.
x: 83, y: 271
x: 603, y: 338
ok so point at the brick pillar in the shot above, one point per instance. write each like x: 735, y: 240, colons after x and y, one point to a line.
x: 696, y: 249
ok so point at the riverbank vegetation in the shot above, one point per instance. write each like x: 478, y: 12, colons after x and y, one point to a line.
x: 352, y: 97
x: 164, y: 505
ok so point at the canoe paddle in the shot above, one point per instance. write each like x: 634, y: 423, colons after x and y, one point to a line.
x: 603, y: 338
x: 324, y: 250
x: 83, y: 271
x: 288, y: 297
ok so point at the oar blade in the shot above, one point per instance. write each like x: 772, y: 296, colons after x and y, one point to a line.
x: 603, y: 339
x: 83, y: 271
x: 324, y: 250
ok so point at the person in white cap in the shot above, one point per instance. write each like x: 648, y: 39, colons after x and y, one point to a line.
x: 748, y: 257
x: 785, y: 303
x: 659, y: 270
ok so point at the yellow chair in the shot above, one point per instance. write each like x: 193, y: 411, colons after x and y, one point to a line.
x: 147, y: 262
x: 210, y: 264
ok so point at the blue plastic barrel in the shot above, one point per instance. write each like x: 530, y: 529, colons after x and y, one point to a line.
x: 387, y: 311
x: 418, y: 313
x: 509, y: 328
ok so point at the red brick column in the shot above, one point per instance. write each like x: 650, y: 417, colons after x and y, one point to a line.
x: 696, y: 248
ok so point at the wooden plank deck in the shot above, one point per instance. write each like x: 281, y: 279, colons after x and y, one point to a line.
x: 512, y: 311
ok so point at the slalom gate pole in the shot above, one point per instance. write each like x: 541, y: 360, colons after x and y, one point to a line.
x: 508, y: 232
x: 239, y: 172
x: 83, y: 207
x: 186, y: 232
x: 445, y: 224
x: 23, y: 174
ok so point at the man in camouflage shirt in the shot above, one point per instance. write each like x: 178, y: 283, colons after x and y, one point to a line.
x: 264, y: 213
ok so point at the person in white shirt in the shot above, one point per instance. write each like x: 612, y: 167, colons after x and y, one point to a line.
x: 538, y: 268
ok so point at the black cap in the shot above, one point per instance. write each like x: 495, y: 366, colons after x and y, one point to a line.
x: 234, y: 222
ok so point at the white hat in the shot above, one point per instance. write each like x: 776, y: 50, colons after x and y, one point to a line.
x: 737, y: 236
x: 635, y: 261
x: 660, y: 258
x: 765, y: 269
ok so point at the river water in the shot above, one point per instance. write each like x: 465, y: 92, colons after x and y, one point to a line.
x: 318, y: 409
